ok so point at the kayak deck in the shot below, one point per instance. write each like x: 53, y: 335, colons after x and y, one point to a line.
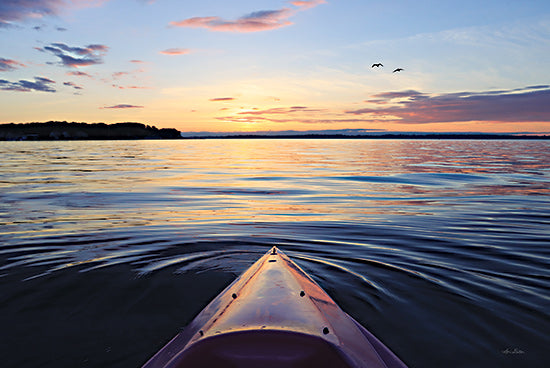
x: 274, y: 315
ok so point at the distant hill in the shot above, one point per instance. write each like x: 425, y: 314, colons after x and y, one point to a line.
x: 306, y: 135
x: 62, y: 130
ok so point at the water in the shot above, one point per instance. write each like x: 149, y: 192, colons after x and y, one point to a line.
x: 440, y: 248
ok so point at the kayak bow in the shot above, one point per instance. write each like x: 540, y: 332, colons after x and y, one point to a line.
x: 274, y: 315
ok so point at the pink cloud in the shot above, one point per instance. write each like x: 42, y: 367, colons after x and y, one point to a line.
x: 175, y: 51
x: 254, y: 22
x: 308, y: 4
x: 7, y: 65
x: 263, y: 20
x: 119, y: 74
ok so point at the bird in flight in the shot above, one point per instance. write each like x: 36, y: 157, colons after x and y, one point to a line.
x: 398, y: 70
x: 376, y: 65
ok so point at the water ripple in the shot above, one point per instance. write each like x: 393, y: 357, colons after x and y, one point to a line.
x: 443, y: 241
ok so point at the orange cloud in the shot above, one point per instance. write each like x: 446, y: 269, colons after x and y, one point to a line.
x: 281, y: 110
x: 222, y: 99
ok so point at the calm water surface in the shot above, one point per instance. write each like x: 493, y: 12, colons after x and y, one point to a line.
x: 440, y: 248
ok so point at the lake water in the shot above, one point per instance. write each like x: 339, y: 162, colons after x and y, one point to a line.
x: 440, y: 248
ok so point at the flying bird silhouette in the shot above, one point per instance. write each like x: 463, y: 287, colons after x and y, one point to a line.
x: 398, y: 70
x: 376, y: 65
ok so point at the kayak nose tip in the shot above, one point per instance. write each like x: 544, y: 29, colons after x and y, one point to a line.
x: 273, y: 250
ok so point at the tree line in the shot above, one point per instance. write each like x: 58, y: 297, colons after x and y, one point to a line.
x: 63, y: 130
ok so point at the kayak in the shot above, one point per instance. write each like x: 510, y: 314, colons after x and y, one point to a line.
x: 274, y: 315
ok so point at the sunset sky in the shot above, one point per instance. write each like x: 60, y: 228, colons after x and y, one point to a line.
x: 271, y: 65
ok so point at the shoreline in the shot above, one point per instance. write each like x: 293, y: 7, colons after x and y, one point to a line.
x: 75, y: 131
x: 382, y: 136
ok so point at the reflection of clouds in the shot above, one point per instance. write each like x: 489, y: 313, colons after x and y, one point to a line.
x: 130, y: 192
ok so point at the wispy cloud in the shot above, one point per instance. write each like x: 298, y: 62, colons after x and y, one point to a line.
x: 122, y: 106
x: 222, y: 99
x: 40, y: 84
x: 18, y: 10
x: 124, y: 75
x: 129, y: 87
x: 71, y: 84
x: 74, y: 57
x: 529, y: 104
x: 44, y: 26
x: 292, y: 114
x: 263, y: 20
x: 175, y: 51
x: 292, y: 119
x: 7, y: 65
x: 519, y: 105
x: 280, y: 110
x: 384, y: 98
x: 307, y: 4
x: 78, y: 73
x: 117, y: 75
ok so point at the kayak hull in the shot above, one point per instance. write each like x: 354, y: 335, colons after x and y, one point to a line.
x: 274, y: 314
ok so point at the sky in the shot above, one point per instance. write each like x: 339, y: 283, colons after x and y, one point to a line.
x: 272, y: 65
